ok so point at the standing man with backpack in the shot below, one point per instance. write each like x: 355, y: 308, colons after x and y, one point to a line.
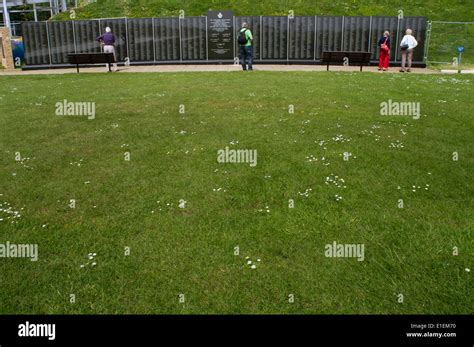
x: 245, y: 41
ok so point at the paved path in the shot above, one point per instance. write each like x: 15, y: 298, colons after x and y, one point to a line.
x: 207, y: 68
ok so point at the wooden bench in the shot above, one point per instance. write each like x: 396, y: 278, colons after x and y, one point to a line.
x: 91, y: 58
x: 339, y: 58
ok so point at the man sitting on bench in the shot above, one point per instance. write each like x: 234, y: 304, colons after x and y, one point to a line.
x: 108, y: 41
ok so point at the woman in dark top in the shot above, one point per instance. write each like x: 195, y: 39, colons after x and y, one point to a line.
x: 384, y: 45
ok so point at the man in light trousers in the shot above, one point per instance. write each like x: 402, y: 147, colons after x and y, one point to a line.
x: 108, y: 41
x: 407, y: 46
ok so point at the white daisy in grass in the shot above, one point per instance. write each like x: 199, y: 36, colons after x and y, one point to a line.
x: 335, y: 180
x: 250, y: 263
x: 397, y: 144
x: 91, y: 261
x: 8, y: 213
x: 77, y: 163
x: 341, y: 138
x: 305, y: 193
x: 266, y: 209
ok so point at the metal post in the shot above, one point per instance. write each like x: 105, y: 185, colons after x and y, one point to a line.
x: 369, y: 45
x: 6, y: 17
x: 35, y: 12
x: 261, y: 38
x: 288, y: 39
x: 234, y: 43
x: 52, y: 5
x: 207, y: 46
x: 342, y: 34
x: 154, y: 44
x: 180, y: 41
x: 126, y: 38
x: 315, y: 35
x: 100, y: 31
x: 49, y: 44
x: 396, y: 39
x: 74, y: 36
x: 428, y: 37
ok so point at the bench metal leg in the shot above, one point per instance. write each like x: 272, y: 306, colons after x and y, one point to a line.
x: 77, y: 66
x: 327, y: 67
x: 361, y: 68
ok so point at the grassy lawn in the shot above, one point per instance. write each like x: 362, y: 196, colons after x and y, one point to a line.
x: 445, y: 40
x: 190, y: 250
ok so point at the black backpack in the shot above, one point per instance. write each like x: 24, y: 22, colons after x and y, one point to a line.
x: 242, y: 39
